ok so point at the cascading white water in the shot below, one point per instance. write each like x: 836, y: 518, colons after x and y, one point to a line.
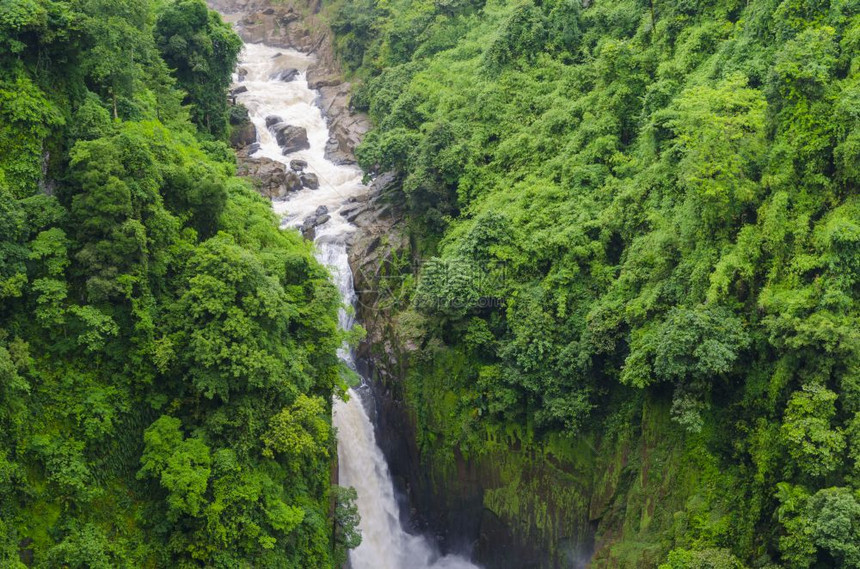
x: 385, y: 545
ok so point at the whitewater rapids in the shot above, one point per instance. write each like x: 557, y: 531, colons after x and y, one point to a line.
x: 385, y: 544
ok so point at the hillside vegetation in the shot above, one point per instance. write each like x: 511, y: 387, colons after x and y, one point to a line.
x: 167, y: 354
x: 627, y: 208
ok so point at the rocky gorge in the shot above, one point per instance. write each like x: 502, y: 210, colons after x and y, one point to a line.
x: 447, y: 502
x: 514, y: 507
x: 297, y: 26
x: 582, y: 288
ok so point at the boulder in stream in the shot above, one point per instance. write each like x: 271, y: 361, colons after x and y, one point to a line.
x: 292, y: 182
x: 290, y: 138
x: 272, y: 178
x: 314, y: 220
x: 298, y: 165
x: 286, y: 75
x: 310, y: 181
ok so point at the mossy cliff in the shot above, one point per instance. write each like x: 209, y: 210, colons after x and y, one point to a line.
x: 614, y: 308
x: 621, y: 494
x: 610, y: 272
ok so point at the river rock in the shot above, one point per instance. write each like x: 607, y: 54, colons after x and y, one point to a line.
x: 298, y: 165
x: 291, y: 138
x: 272, y: 179
x: 239, y: 90
x: 292, y: 182
x: 241, y: 73
x: 310, y: 181
x: 336, y: 153
x: 318, y: 78
x: 314, y: 220
x: 286, y: 75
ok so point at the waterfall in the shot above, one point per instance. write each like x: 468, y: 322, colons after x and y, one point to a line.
x: 385, y: 544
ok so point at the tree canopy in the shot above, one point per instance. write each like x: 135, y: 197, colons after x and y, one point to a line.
x: 663, y: 195
x: 161, y: 339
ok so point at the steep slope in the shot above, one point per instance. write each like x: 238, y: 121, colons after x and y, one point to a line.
x: 167, y: 354
x: 620, y: 313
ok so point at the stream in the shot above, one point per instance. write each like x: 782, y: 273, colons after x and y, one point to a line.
x: 385, y: 544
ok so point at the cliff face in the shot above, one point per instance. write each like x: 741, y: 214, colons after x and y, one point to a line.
x: 606, y: 499
x: 603, y: 500
x: 519, y: 502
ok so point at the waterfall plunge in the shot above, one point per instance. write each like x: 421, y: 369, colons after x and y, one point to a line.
x: 385, y: 545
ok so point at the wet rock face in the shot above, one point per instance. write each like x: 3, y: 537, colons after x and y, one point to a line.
x: 346, y: 129
x: 379, y: 240
x: 272, y: 179
x: 311, y: 222
x: 310, y: 181
x: 334, y: 152
x: 286, y: 75
x: 290, y: 138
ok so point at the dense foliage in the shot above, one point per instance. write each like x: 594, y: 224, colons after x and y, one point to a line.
x: 167, y: 354
x: 628, y: 201
x: 203, y: 51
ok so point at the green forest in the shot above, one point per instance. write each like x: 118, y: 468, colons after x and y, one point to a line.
x: 167, y: 354
x: 625, y: 211
x: 630, y: 299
